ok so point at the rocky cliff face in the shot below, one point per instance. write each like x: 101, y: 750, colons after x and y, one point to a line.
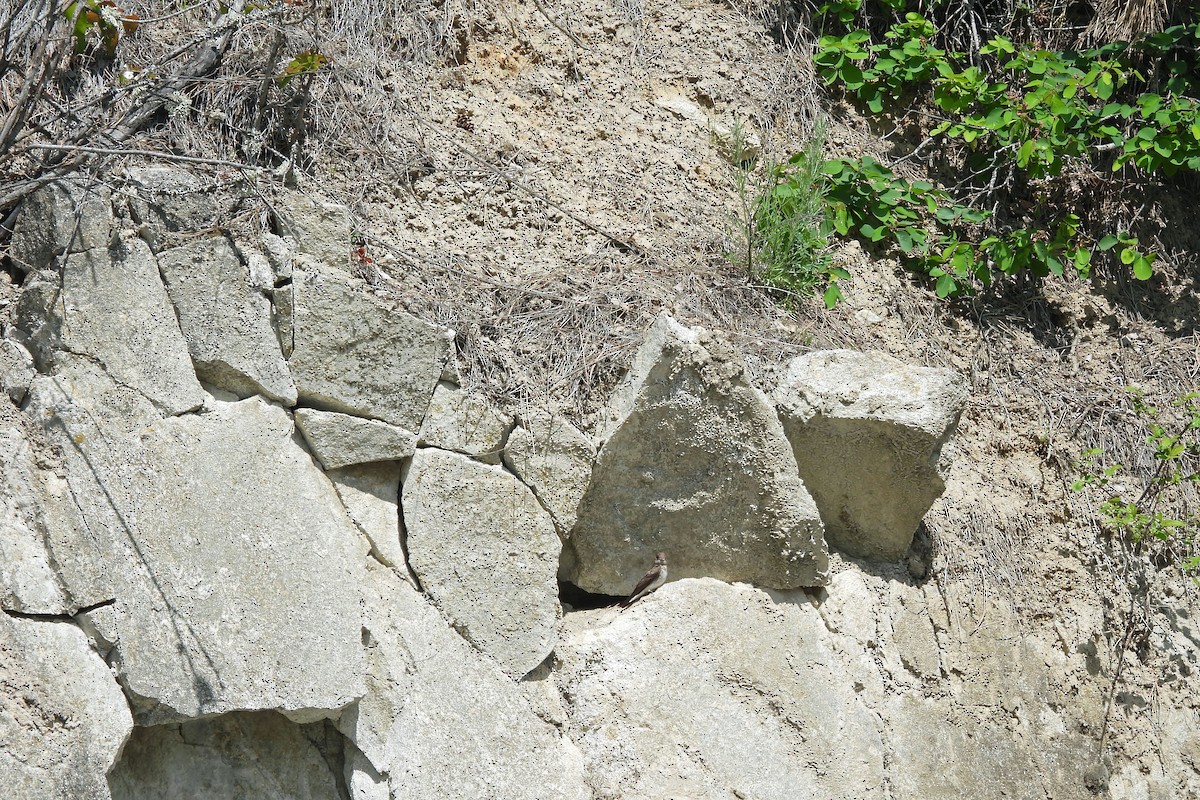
x: 257, y: 542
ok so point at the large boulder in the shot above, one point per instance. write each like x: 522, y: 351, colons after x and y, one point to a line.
x: 486, y: 553
x: 438, y: 720
x: 338, y: 440
x: 695, y: 464
x: 352, y: 353
x: 465, y: 423
x: 222, y: 566
x: 63, y: 719
x: 554, y: 459
x: 716, y: 691
x: 67, y: 216
x: 111, y: 309
x: 226, y: 322
x: 869, y: 433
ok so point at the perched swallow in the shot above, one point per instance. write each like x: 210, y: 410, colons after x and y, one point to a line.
x: 653, y: 579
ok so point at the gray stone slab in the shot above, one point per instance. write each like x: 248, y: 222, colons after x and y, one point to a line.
x: 371, y: 495
x: 111, y: 308
x: 63, y: 719
x: 696, y: 465
x: 713, y: 690
x: 315, y: 227
x: 353, y: 354
x: 869, y: 433
x: 465, y: 423
x: 441, y: 720
x: 233, y: 569
x: 248, y: 754
x: 28, y: 581
x: 16, y: 369
x: 67, y: 216
x: 555, y: 459
x: 226, y: 321
x: 486, y: 553
x: 339, y: 440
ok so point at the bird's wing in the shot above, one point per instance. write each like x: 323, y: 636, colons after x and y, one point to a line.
x: 645, y: 582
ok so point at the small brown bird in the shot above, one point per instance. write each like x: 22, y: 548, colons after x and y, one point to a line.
x: 653, y: 579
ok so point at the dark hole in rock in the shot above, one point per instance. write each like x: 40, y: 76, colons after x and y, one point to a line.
x: 578, y: 599
x: 240, y: 755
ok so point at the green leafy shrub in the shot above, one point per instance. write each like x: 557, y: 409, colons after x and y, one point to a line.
x: 1016, y: 118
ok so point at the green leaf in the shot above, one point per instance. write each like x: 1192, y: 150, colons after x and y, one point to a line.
x: 1143, y: 267
x: 1107, y: 243
x: 946, y: 286
x: 1023, y: 154
x: 833, y: 296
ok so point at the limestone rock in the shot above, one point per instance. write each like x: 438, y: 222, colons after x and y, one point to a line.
x: 439, y: 720
x: 340, y: 439
x: 166, y: 201
x: 226, y: 322
x: 66, y: 216
x: 28, y: 582
x: 63, y: 718
x: 355, y: 355
x: 112, y: 309
x: 868, y: 432
x: 937, y: 757
x: 16, y: 369
x: 465, y: 424
x: 715, y: 691
x: 362, y: 780
x: 227, y: 554
x: 315, y: 227
x: 554, y: 459
x: 695, y: 464
x: 257, y: 754
x: 371, y: 495
x: 283, y: 317
x: 486, y: 553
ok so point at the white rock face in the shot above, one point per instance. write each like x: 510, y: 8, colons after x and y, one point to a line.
x: 371, y: 495
x: 256, y: 754
x: 315, y: 227
x: 695, y: 464
x: 555, y: 459
x: 339, y: 440
x: 166, y: 201
x: 486, y: 553
x: 226, y: 322
x: 465, y: 424
x: 869, y: 433
x: 715, y: 691
x: 62, y: 217
x: 16, y: 369
x: 28, y: 582
x: 63, y: 718
x: 112, y: 310
x: 439, y: 721
x: 230, y: 559
x: 353, y: 354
